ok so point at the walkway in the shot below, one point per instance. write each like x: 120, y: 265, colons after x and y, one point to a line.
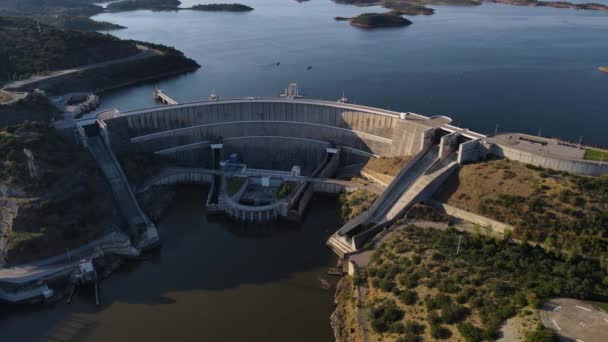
x: 171, y: 175
x: 140, y: 224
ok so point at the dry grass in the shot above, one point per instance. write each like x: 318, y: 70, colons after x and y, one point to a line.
x: 387, y: 165
x: 540, y: 204
x: 4, y: 96
x: 354, y: 203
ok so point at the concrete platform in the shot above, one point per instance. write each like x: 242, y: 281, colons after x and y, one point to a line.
x: 543, y: 146
x: 575, y: 320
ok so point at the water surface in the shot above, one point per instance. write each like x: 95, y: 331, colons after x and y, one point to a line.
x: 522, y: 68
x: 213, y: 280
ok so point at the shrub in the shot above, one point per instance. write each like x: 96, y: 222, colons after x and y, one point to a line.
x: 408, y: 297
x: 541, y: 335
x: 470, y: 332
x: 454, y: 313
x: 383, y: 314
x: 439, y: 332
x: 413, y: 327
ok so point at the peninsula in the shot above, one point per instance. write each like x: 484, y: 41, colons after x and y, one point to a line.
x: 377, y: 20
x: 222, y: 8
x: 37, y: 57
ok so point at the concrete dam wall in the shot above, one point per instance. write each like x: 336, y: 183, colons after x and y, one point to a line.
x: 278, y: 133
x: 271, y: 133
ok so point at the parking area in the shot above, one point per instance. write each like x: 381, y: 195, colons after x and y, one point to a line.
x: 575, y: 320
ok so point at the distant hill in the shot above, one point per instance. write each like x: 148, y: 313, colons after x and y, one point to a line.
x: 155, y: 5
x: 30, y: 48
x: 63, y: 14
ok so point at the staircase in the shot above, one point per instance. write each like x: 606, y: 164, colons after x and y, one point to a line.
x: 339, y: 245
x: 141, y: 226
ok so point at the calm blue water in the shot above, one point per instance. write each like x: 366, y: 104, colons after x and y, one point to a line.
x: 522, y: 68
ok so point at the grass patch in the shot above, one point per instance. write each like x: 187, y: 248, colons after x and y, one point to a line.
x: 234, y: 185
x: 601, y: 305
x: 596, y: 155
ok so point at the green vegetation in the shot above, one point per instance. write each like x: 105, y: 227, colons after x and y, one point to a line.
x: 354, y: 203
x: 285, y: 189
x: 29, y: 48
x: 596, y: 155
x: 377, y: 20
x: 32, y: 108
x: 541, y: 335
x: 234, y: 184
x: 223, y: 7
x: 51, y: 218
x: 417, y: 278
x: 132, y: 5
x: 62, y: 14
x: 566, y: 212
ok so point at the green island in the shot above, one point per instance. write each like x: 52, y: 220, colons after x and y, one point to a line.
x: 419, y: 7
x: 427, y: 284
x: 222, y: 8
x: 377, y: 20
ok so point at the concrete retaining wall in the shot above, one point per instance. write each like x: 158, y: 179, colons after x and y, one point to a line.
x: 8, y: 212
x: 448, y: 144
x: 572, y: 166
x: 469, y: 216
x: 471, y: 151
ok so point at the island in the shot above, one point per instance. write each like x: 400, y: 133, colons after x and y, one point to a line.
x: 604, y: 69
x: 418, y: 7
x: 153, y: 5
x: 222, y: 8
x: 377, y: 20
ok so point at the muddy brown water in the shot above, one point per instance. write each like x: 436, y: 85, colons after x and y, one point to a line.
x: 212, y: 280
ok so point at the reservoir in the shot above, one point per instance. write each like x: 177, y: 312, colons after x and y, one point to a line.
x: 212, y: 280
x: 521, y: 68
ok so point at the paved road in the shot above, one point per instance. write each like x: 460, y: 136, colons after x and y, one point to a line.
x: 575, y: 320
x: 145, y: 52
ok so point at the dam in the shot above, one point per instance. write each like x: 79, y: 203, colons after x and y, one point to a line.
x: 275, y: 135
x: 265, y: 158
